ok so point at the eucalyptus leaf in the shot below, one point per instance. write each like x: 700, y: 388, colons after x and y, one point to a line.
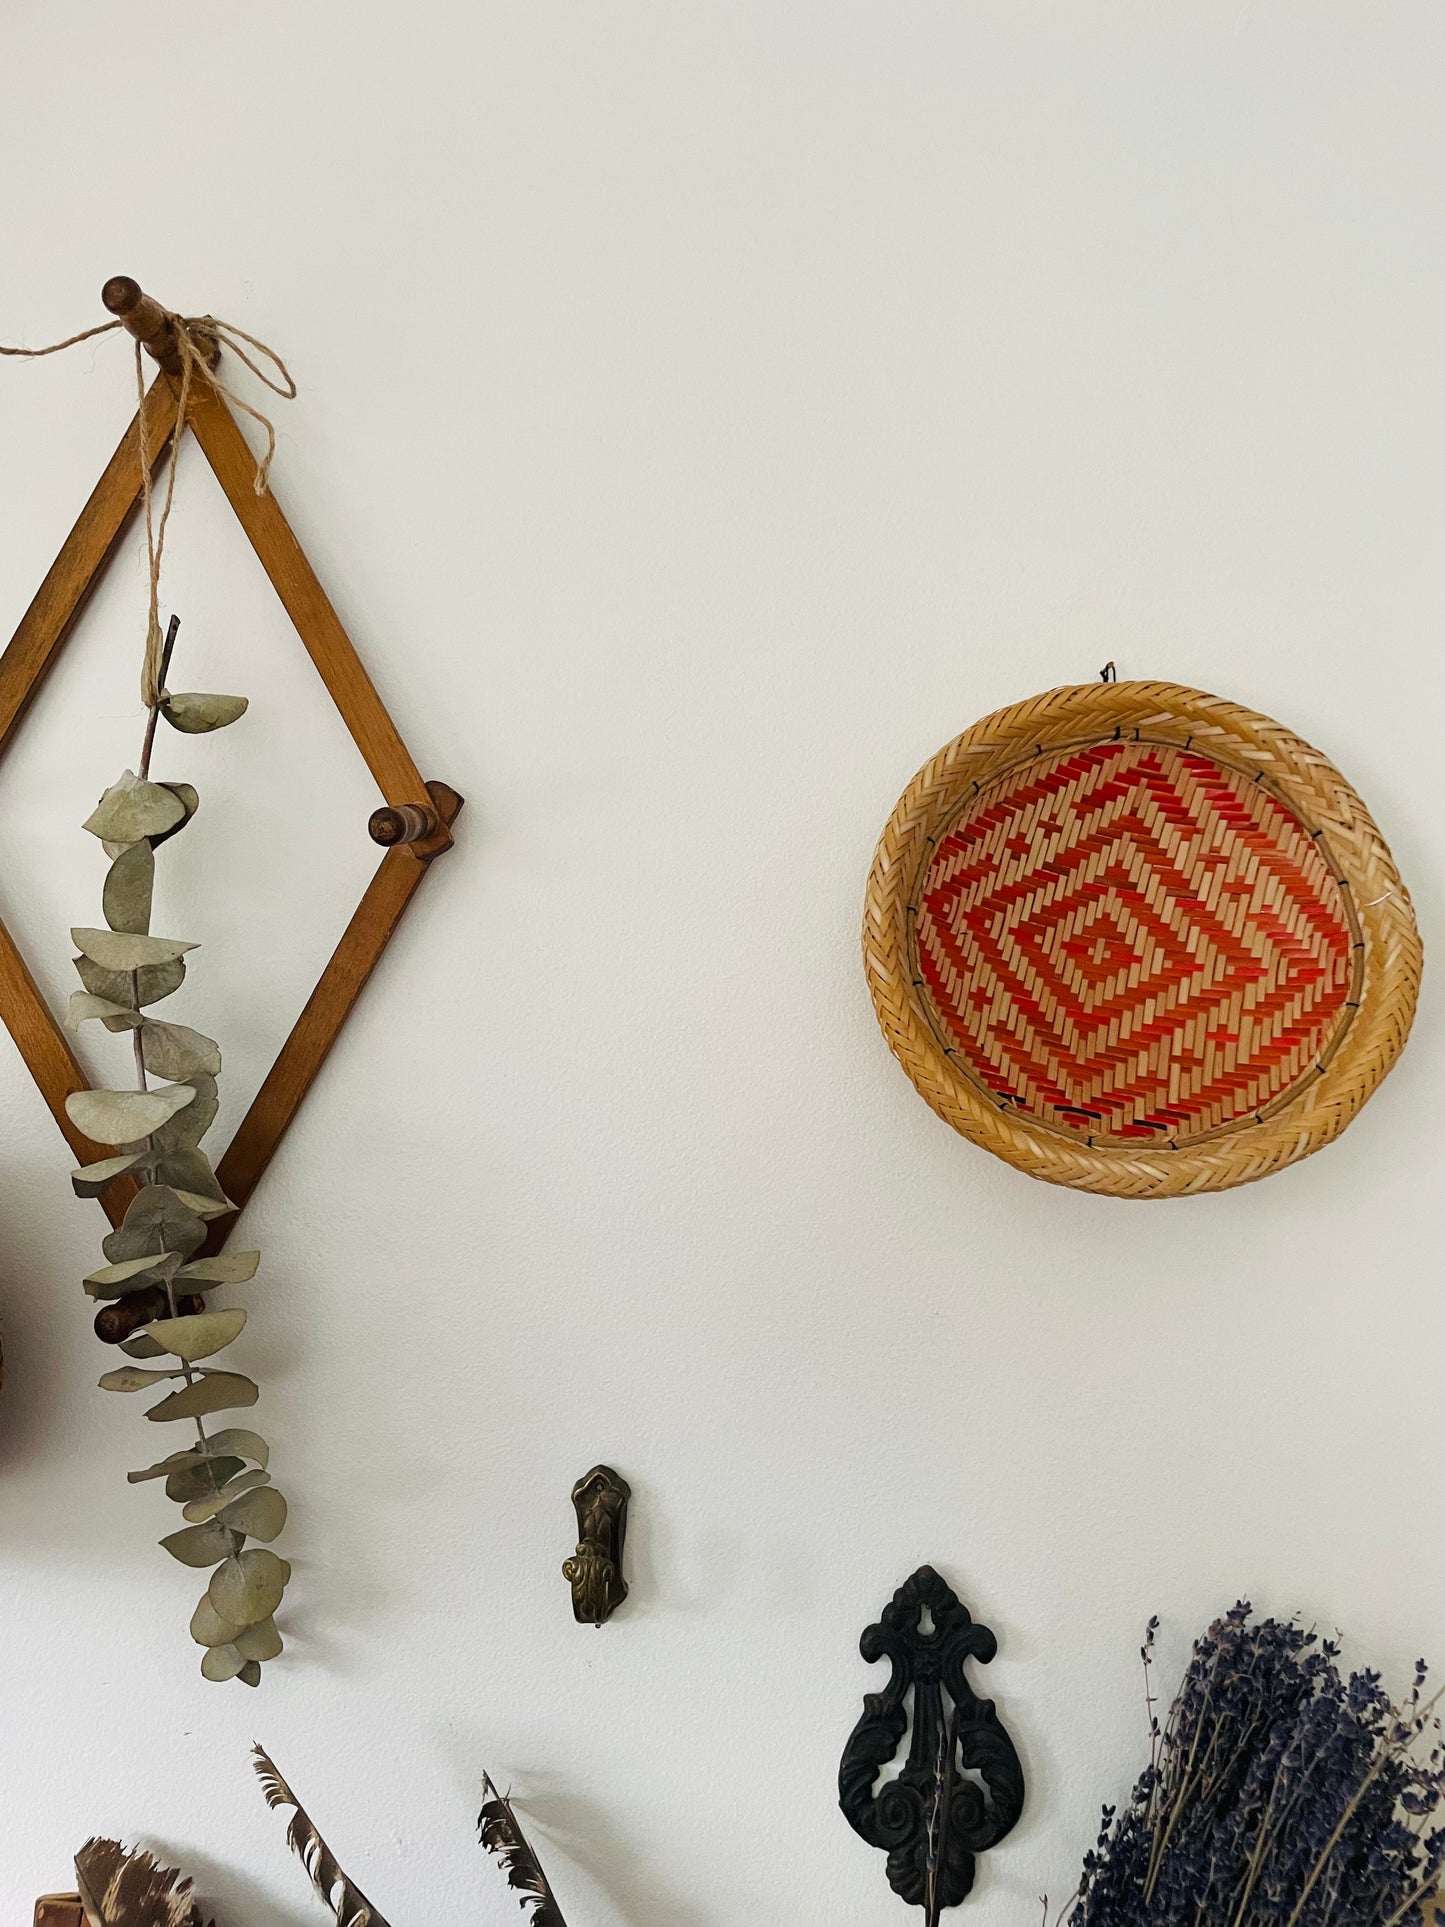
x: 201, y: 1545
x: 91, y: 1179
x: 199, y: 1335
x: 126, y: 898
x: 120, y: 1117
x: 189, y: 802
x: 132, y: 1378
x: 249, y: 1586
x: 261, y: 1513
x: 156, y: 1219
x: 192, y: 1455
x: 212, y: 1392
x: 163, y: 1468
x: 196, y: 1481
x: 226, y: 1268
x: 208, y: 1628
x: 175, y: 1050
x: 139, y: 1346
x: 118, y: 1281
x: 133, y: 808
x: 84, y: 1006
x: 189, y: 1170
x: 185, y: 1131
x: 261, y: 1641
x: 204, y: 1207
x: 147, y: 986
x: 114, y: 1281
x: 119, y: 950
x: 221, y: 1662
x: 250, y: 1445
x: 206, y: 1505
x: 250, y: 1673
x: 195, y: 713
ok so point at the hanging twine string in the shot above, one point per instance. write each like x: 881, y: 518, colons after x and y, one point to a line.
x: 197, y: 339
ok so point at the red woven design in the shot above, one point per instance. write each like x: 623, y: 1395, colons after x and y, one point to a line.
x: 1134, y: 942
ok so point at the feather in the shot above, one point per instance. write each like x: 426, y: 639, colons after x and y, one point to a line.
x: 349, y: 1904
x: 120, y: 1889
x: 503, y: 1838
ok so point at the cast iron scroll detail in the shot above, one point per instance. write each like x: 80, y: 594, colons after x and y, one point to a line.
x: 897, y: 1818
x: 595, y: 1569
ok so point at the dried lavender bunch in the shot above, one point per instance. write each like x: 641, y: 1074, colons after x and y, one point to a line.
x: 1278, y: 1794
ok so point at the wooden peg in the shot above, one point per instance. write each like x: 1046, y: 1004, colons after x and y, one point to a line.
x: 115, y: 1323
x: 402, y: 823
x: 148, y: 321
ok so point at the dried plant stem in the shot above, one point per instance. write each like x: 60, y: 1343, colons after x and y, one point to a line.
x: 147, y: 745
x: 154, y: 714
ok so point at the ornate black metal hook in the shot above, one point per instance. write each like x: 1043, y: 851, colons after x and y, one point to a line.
x: 932, y: 1821
x: 595, y: 1569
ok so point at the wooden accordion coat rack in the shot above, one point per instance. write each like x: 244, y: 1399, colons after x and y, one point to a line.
x: 414, y: 825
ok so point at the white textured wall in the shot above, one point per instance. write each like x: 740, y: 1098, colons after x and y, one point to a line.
x: 707, y: 410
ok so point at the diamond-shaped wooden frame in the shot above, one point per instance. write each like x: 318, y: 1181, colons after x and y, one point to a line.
x: 33, y: 650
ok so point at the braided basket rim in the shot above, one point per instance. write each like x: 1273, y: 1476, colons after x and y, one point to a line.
x: 1244, y: 741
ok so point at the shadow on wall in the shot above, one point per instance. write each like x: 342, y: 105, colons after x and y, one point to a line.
x: 230, y: 1896
x: 588, y: 1835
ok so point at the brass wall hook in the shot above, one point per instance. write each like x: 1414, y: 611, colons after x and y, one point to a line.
x: 595, y: 1569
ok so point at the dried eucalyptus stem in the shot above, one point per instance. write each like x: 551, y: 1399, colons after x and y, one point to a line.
x: 153, y: 1282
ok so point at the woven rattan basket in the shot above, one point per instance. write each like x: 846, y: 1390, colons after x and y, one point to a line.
x: 1139, y: 940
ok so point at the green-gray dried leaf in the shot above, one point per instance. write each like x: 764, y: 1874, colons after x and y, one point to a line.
x: 84, y: 1006
x: 218, y: 1447
x: 206, y: 1207
x: 119, y: 950
x: 196, y: 1481
x: 195, y: 713
x: 131, y: 1274
x: 199, y: 1335
x: 91, y: 1179
x: 133, y: 1378
x: 189, y: 1171
x: 133, y: 808
x: 163, y: 1468
x: 207, y: 1504
x: 249, y: 1586
x: 250, y: 1673
x: 261, y: 1641
x: 261, y: 1514
x: 120, y: 1117
x: 175, y: 1050
x: 250, y: 1445
x: 152, y: 984
x: 126, y: 898
x: 189, y: 802
x: 156, y: 1219
x: 221, y: 1663
x: 212, y: 1392
x: 226, y: 1268
x: 189, y: 1126
x: 201, y: 1545
x: 139, y: 1346
x: 208, y: 1628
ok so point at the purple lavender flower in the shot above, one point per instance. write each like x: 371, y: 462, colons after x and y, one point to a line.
x: 1278, y: 1794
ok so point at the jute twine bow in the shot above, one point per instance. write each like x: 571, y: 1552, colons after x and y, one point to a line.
x: 197, y: 339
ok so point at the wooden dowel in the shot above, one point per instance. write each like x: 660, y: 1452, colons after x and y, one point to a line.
x: 145, y: 319
x: 404, y: 823
x: 60, y: 598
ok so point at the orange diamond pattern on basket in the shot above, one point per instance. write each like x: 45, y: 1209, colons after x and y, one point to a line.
x: 1134, y: 942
